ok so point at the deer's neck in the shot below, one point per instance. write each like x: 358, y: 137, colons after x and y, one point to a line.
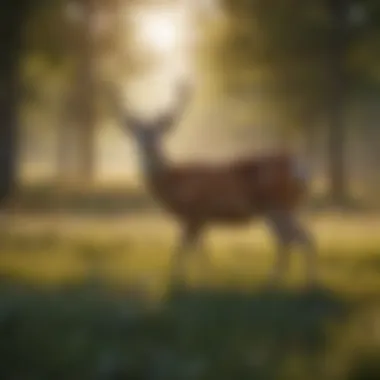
x: 154, y: 164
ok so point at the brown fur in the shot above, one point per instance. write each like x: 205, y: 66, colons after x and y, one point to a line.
x: 229, y: 193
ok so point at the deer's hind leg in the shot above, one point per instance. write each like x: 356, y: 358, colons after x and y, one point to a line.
x: 288, y: 230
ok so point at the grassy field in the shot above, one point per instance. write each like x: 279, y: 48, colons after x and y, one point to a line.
x: 86, y: 298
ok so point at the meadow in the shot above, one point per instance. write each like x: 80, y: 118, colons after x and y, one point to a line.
x: 86, y: 297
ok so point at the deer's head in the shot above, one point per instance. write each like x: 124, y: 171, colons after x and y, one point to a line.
x: 148, y: 133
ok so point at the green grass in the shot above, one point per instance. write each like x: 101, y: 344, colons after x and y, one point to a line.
x: 99, y: 306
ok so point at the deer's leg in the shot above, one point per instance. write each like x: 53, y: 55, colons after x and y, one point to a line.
x: 306, y: 240
x: 283, y: 242
x: 188, y: 241
x: 289, y: 230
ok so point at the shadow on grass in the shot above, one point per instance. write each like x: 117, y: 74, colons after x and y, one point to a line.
x: 87, y: 332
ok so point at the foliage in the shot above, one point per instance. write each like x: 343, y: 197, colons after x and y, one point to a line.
x: 46, y: 30
x: 288, y: 42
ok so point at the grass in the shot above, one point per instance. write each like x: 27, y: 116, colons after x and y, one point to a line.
x: 81, y: 300
x: 132, y: 197
x: 81, y: 199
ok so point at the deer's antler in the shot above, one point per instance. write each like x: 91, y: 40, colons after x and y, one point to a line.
x: 122, y: 111
x: 170, y: 118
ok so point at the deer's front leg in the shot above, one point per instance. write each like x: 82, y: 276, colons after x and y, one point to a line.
x: 281, y: 264
x: 188, y: 241
x: 278, y: 223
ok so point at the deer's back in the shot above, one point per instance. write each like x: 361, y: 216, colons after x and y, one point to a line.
x: 230, y: 193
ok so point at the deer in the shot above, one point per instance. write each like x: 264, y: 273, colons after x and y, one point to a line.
x: 198, y: 195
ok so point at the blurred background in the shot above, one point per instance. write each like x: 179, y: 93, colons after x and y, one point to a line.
x: 84, y: 248
x: 265, y: 75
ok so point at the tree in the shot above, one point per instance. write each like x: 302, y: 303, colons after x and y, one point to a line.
x: 338, y: 49
x: 64, y: 32
x: 48, y: 40
x: 94, y: 37
x: 303, y: 53
x: 12, y: 17
x: 85, y: 91
x: 281, y: 48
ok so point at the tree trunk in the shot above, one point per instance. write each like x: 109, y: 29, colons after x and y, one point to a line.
x: 65, y: 145
x: 8, y: 126
x: 11, y: 18
x: 85, y: 136
x: 86, y: 95
x: 336, y: 108
x: 311, y: 146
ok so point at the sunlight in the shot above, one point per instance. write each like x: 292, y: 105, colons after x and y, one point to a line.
x: 162, y: 37
x: 162, y: 42
x: 159, y: 30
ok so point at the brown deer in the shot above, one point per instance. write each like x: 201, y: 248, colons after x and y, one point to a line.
x: 200, y: 194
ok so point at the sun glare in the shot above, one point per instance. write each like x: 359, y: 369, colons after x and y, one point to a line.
x: 165, y: 37
x: 159, y: 31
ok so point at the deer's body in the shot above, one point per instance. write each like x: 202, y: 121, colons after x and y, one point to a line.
x: 228, y: 193
x: 271, y: 187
